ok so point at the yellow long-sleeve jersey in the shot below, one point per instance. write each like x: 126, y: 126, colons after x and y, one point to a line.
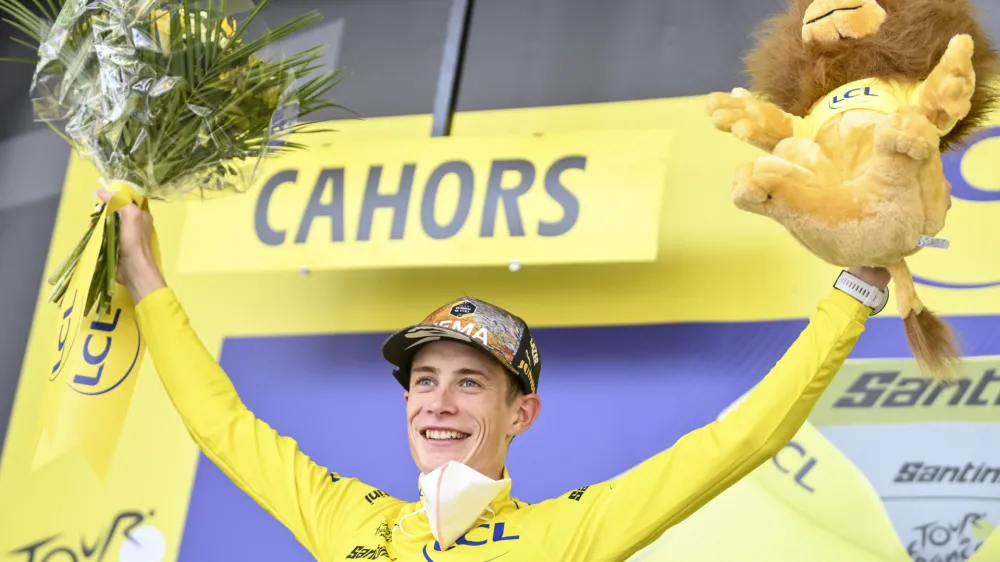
x: 341, y: 518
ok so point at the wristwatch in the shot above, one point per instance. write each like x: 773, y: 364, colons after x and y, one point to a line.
x: 868, y: 294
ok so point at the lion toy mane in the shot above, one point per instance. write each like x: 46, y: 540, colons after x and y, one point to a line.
x: 854, y: 101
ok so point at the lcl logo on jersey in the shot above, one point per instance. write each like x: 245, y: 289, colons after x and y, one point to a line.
x: 973, y: 225
x: 476, y: 538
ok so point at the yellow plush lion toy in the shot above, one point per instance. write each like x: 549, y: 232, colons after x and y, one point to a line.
x: 854, y: 100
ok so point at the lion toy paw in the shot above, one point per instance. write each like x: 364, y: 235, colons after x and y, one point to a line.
x: 950, y: 86
x: 747, y: 191
x: 751, y: 120
x: 907, y: 132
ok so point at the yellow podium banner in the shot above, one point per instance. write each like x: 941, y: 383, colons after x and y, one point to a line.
x: 808, y: 502
x: 96, y: 356
x: 817, y: 484
x: 584, y: 197
x: 96, y: 464
x: 879, y: 474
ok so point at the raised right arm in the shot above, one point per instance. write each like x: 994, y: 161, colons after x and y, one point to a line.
x: 304, y: 496
x: 312, y: 502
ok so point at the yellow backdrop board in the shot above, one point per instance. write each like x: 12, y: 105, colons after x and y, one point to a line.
x: 491, y: 200
x: 709, y: 256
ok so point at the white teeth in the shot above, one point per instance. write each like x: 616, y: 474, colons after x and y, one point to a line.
x: 437, y: 434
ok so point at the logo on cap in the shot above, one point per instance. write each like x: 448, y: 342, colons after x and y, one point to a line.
x: 431, y: 333
x: 463, y: 308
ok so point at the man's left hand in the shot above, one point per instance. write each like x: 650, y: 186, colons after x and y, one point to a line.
x: 878, y: 276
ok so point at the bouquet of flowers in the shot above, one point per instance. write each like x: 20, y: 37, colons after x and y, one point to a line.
x: 166, y: 98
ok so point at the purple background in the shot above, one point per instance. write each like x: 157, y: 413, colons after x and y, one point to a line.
x: 611, y: 397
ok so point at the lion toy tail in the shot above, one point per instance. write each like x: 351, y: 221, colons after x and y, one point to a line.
x: 931, y: 340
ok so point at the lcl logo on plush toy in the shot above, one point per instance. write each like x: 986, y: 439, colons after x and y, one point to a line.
x: 863, y: 183
x: 839, y: 100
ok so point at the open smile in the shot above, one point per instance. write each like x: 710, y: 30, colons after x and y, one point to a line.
x: 831, y: 12
x: 443, y: 436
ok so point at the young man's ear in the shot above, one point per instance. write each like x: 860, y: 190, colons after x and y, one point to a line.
x: 406, y: 396
x: 528, y: 408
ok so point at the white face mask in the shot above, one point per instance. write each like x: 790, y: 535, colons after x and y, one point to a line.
x: 455, y: 497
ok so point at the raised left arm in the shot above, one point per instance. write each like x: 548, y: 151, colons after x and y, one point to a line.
x: 615, y: 519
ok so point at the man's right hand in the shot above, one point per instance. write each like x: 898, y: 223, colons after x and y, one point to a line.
x: 137, y: 269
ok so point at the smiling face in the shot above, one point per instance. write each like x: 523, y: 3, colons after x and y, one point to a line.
x: 829, y: 21
x: 460, y: 407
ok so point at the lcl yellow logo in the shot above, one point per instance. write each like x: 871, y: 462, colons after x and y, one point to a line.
x: 973, y: 228
x: 85, y: 346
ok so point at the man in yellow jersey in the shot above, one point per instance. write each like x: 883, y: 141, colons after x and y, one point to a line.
x: 471, y: 373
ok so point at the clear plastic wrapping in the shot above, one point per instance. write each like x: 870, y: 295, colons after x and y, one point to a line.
x: 171, y: 97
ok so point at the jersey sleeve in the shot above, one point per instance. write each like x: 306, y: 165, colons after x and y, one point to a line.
x: 614, y: 519
x: 308, y: 499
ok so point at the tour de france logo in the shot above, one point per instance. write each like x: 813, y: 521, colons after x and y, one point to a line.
x: 94, y: 354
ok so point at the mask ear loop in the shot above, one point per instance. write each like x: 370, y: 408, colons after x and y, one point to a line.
x: 400, y: 523
x: 437, y: 514
x: 422, y: 509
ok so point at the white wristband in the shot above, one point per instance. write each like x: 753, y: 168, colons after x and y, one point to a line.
x: 866, y: 293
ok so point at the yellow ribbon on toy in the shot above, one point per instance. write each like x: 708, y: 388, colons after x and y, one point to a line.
x: 96, y: 359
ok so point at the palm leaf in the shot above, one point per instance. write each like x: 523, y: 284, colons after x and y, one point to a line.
x: 174, y: 105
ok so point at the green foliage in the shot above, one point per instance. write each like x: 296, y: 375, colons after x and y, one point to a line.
x: 174, y: 97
